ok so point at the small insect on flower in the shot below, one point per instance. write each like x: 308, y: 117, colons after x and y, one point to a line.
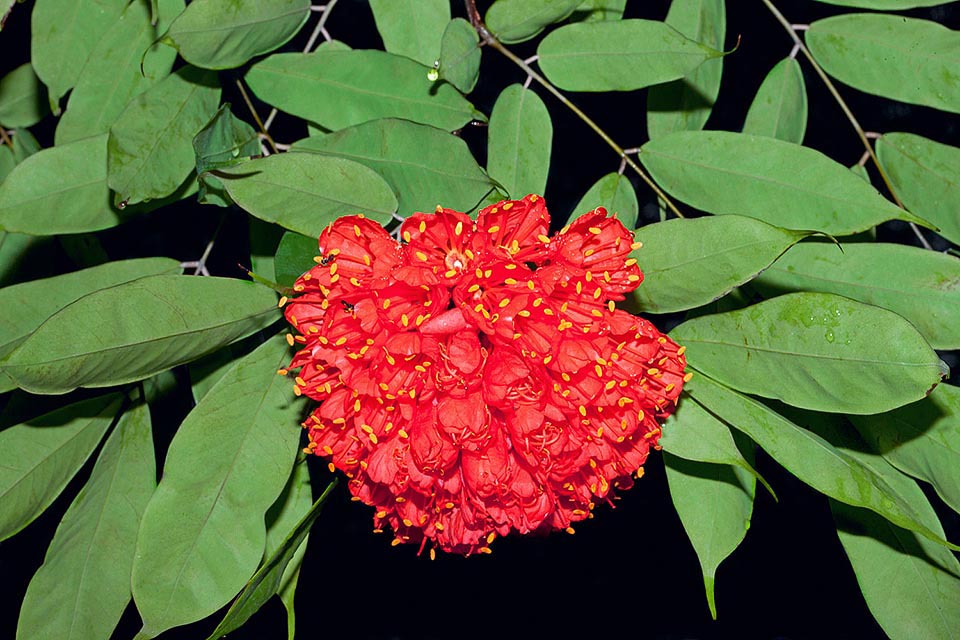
x: 482, y: 379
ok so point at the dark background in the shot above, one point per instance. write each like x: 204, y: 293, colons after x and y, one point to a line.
x: 631, y: 571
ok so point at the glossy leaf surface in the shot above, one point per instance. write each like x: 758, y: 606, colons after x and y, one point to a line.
x: 203, y: 531
x: 154, y: 323
x: 304, y: 192
x: 690, y: 262
x: 815, y: 351
x: 778, y: 182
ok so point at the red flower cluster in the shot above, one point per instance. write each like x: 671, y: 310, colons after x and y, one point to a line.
x: 477, y: 378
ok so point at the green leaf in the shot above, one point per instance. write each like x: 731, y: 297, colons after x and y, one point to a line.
x: 412, y: 28
x: 613, y: 192
x: 816, y: 351
x: 922, y: 440
x: 23, y: 100
x: 225, y: 141
x: 122, y: 65
x: 690, y: 262
x: 63, y: 33
x: 154, y: 323
x: 223, y: 34
x: 521, y: 137
x: 779, y: 110
x: 693, y: 433
x: 812, y: 459
x: 879, y: 5
x: 910, y: 584
x: 518, y: 20
x: 7, y: 162
x: 715, y: 504
x: 83, y: 587
x: 685, y: 105
x: 338, y: 89
x: 778, y: 182
x: 24, y: 145
x: 304, y: 192
x: 282, y: 520
x: 203, y: 531
x: 620, y: 55
x: 150, y: 153
x: 895, y: 57
x: 593, y: 10
x: 926, y: 176
x: 13, y: 248
x: 38, y: 458
x: 59, y: 190
x: 425, y: 166
x: 29, y: 304
x: 285, y: 553
x: 922, y: 286
x: 294, y: 256
x: 460, y: 55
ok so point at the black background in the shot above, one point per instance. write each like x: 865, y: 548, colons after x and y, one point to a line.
x: 628, y: 573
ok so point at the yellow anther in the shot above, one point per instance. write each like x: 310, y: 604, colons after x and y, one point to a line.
x: 459, y: 228
x: 494, y: 229
x: 595, y: 230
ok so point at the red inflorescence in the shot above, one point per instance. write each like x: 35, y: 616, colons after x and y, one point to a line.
x: 477, y: 378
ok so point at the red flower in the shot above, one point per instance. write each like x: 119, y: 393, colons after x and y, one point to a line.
x: 477, y: 378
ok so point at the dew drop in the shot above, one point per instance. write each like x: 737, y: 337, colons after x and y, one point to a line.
x: 829, y: 335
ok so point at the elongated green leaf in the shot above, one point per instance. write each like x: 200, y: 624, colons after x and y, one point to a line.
x: 23, y: 100
x: 521, y: 137
x: 905, y: 59
x: 222, y: 34
x: 922, y: 286
x: 29, y: 304
x: 425, y: 166
x: 153, y: 323
x: 811, y: 458
x: 121, y: 66
x: 922, y: 440
x: 690, y: 262
x: 692, y: 433
x: 223, y: 142
x: 620, y: 55
x: 304, y: 192
x: 460, y: 55
x: 778, y: 182
x: 282, y: 520
x: 40, y: 457
x: 13, y: 246
x: 83, y: 587
x: 338, y: 89
x: 7, y: 162
x: 286, y: 548
x: 909, y: 583
x: 926, y: 176
x: 816, y: 351
x: 685, y: 105
x: 891, y: 5
x: 779, y: 110
x: 715, y: 504
x: 412, y: 28
x: 24, y: 145
x: 294, y: 256
x: 593, y: 10
x: 62, y: 35
x: 518, y: 20
x: 59, y: 190
x: 613, y: 192
x: 150, y: 152
x: 203, y: 531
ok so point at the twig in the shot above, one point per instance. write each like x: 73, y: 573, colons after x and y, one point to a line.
x: 5, y: 138
x: 256, y: 117
x: 200, y: 266
x: 488, y: 39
